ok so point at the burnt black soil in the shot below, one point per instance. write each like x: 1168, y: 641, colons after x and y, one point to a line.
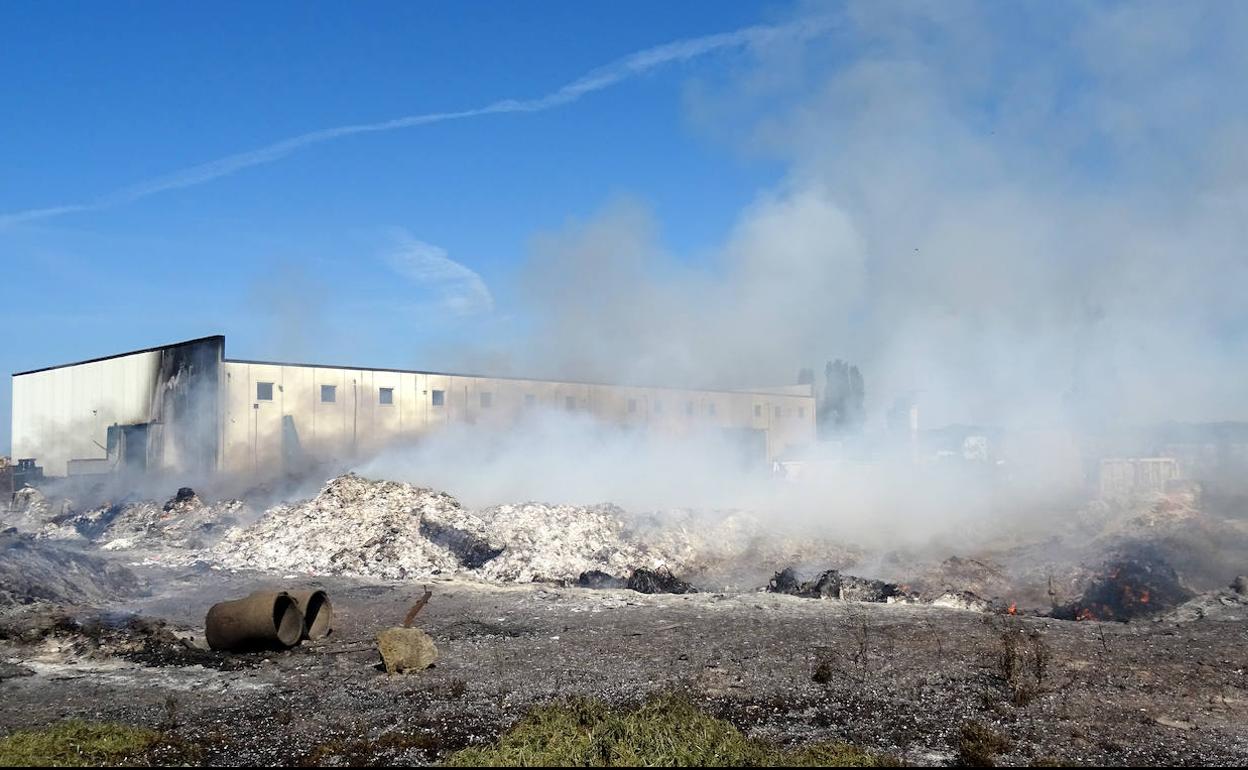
x: 909, y: 680
x: 34, y: 570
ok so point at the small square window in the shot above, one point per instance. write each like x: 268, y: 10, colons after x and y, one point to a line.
x: 264, y: 391
x: 777, y: 412
x: 530, y: 399
x: 329, y: 394
x: 801, y: 412
x: 658, y: 407
x: 438, y: 397
x: 632, y: 406
x: 689, y: 407
x: 570, y: 403
x: 710, y: 409
x: 487, y: 400
x: 758, y: 410
x: 385, y: 396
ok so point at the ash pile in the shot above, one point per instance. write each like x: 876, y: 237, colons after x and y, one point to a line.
x: 560, y: 542
x: 383, y: 529
x: 172, y: 532
x: 1122, y: 563
x: 360, y: 527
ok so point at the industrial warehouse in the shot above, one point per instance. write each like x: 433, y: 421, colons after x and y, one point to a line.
x: 185, y: 407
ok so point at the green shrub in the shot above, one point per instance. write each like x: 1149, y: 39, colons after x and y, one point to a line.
x: 76, y: 744
x: 666, y: 731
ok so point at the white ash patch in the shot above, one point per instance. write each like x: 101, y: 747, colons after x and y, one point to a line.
x: 962, y: 600
x: 354, y: 527
x: 364, y: 528
x: 29, y: 501
x: 56, y: 665
x: 559, y: 542
x: 172, y: 532
x: 31, y: 510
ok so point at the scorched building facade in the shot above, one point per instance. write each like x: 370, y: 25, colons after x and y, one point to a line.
x: 186, y: 407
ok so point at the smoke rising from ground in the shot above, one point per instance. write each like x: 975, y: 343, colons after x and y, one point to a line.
x: 1027, y: 220
x: 560, y: 457
x: 1025, y: 228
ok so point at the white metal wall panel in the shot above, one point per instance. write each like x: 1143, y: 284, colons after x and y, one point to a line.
x: 64, y: 413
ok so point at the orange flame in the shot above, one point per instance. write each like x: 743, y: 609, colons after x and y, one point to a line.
x: 1013, y: 610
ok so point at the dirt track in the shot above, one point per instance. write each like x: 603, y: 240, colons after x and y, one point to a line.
x: 896, y: 678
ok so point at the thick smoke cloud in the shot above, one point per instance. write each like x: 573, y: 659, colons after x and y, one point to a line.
x: 566, y: 458
x: 1028, y: 218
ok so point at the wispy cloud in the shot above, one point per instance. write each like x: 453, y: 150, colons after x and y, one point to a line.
x: 460, y: 290
x: 630, y: 66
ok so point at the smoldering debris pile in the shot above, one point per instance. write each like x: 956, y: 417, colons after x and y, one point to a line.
x: 31, y: 509
x: 359, y: 527
x: 831, y: 584
x: 735, y: 549
x: 389, y: 530
x: 642, y: 580
x: 1218, y: 606
x: 959, y: 574
x: 657, y: 581
x: 385, y: 529
x: 356, y: 527
x: 1132, y: 585
x: 172, y: 531
x: 33, y: 571
x: 979, y: 585
x: 559, y: 542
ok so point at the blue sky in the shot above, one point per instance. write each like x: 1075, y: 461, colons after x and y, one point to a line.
x: 102, y: 97
x: 1005, y: 207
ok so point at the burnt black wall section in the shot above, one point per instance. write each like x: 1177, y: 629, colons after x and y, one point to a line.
x: 183, y: 434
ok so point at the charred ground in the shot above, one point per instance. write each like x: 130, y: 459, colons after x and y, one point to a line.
x: 899, y: 679
x: 942, y: 675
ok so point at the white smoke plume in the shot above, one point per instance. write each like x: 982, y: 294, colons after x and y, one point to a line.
x: 1033, y: 221
x: 1029, y: 219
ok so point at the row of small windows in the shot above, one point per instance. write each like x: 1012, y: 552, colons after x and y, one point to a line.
x: 329, y: 393
x: 758, y: 411
x: 385, y: 397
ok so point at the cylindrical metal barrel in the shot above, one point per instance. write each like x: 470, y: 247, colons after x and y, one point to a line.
x: 318, y: 613
x: 265, y: 620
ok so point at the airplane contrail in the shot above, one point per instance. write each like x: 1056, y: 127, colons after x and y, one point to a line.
x: 630, y: 66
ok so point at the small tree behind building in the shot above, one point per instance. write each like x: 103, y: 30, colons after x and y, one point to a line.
x: 841, y: 407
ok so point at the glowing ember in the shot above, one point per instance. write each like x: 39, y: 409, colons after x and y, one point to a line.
x: 1137, y: 584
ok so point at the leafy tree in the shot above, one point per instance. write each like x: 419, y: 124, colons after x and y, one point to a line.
x: 841, y: 409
